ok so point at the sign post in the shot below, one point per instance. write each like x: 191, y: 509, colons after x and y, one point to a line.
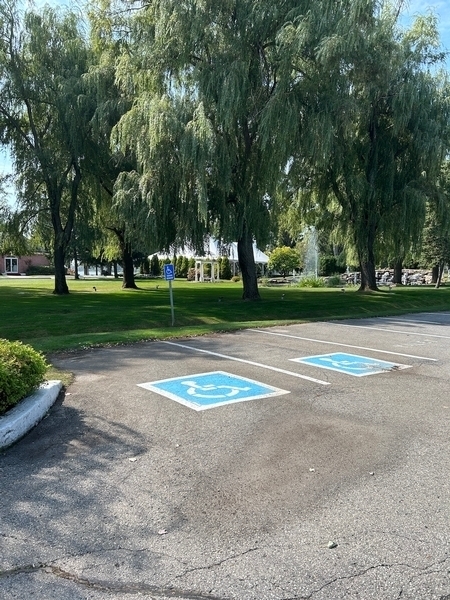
x: 169, y: 275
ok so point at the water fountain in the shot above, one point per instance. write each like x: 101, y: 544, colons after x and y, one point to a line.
x: 311, y: 260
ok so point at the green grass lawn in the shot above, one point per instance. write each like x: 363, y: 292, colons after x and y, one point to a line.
x: 32, y: 314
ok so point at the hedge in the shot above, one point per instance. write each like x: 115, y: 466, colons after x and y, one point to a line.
x: 22, y: 370
x: 40, y: 270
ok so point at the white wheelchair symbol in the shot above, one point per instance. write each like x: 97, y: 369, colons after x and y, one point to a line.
x: 196, y: 390
x: 351, y: 365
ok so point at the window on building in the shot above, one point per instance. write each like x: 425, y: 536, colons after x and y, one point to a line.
x: 11, y: 264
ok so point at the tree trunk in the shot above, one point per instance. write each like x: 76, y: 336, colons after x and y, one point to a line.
x: 61, y: 287
x: 128, y: 268
x: 75, y: 263
x: 367, y: 263
x: 116, y: 274
x: 439, y: 277
x: 398, y: 271
x: 434, y: 274
x: 368, y: 277
x: 248, y: 266
x: 62, y: 234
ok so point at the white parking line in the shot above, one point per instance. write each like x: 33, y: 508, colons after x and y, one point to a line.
x: 297, y: 337
x: 249, y: 362
x: 414, y: 321
x: 446, y: 337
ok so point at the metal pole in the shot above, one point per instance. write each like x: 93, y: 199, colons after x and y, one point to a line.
x: 171, y: 302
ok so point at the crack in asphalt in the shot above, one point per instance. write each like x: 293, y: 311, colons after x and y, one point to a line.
x: 216, y: 564
x: 105, y: 586
x: 171, y: 591
x: 423, y: 571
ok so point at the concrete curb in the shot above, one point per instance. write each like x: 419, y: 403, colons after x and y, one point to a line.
x: 23, y: 417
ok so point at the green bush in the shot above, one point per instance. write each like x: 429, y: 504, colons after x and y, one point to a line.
x: 329, y: 265
x: 225, y: 268
x: 40, y: 270
x: 311, y: 282
x: 333, y: 281
x: 235, y: 278
x: 22, y: 370
x: 155, y: 267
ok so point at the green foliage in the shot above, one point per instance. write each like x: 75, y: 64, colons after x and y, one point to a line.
x: 436, y: 239
x: 369, y: 169
x: 155, y: 267
x: 284, y: 260
x: 179, y: 266
x: 225, y: 268
x: 235, y: 278
x: 40, y: 270
x: 22, y: 370
x: 185, y: 267
x: 144, y: 267
x: 162, y: 262
x: 333, y: 281
x: 328, y: 265
x: 311, y: 282
x: 45, y: 116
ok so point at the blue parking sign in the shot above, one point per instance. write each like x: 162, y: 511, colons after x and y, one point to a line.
x: 207, y: 390
x: 350, y: 364
x: 169, y: 272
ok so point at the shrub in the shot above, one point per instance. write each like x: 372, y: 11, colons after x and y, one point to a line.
x: 144, y: 268
x: 311, y: 282
x: 22, y: 370
x: 225, y: 268
x: 155, y: 267
x: 40, y: 270
x: 333, y: 281
x: 284, y: 260
x: 329, y: 265
x: 179, y: 266
x: 191, y: 274
x: 185, y: 267
x: 235, y: 278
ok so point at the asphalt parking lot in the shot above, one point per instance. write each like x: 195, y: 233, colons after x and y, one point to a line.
x: 301, y: 462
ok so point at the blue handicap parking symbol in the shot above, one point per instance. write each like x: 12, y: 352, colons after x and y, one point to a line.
x: 169, y: 272
x: 351, y: 364
x: 207, y: 390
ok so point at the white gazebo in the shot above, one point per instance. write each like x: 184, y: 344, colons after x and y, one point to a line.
x: 213, y: 251
x: 200, y: 263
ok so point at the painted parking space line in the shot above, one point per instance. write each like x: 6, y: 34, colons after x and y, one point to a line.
x: 209, y: 390
x: 248, y: 362
x: 417, y: 321
x: 305, y: 339
x: 350, y: 364
x: 445, y: 337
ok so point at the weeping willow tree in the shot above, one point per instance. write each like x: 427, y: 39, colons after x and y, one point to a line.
x: 379, y: 117
x: 204, y: 76
x: 113, y: 185
x: 44, y: 114
x: 435, y: 251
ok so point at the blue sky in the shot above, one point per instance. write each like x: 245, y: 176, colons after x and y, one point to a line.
x: 414, y: 7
